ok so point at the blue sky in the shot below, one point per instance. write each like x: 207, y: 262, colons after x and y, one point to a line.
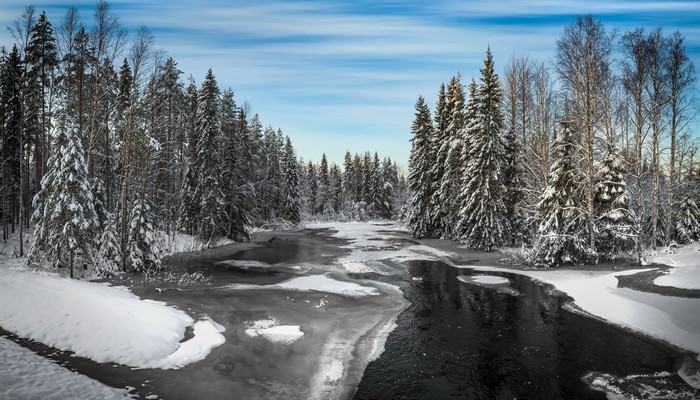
x: 344, y: 75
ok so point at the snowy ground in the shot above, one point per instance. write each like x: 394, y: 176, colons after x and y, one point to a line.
x: 111, y: 324
x: 103, y: 323
x: 685, y: 273
x: 25, y: 375
x: 92, y: 320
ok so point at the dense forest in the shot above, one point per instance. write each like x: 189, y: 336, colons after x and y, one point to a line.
x: 586, y: 157
x: 104, y: 149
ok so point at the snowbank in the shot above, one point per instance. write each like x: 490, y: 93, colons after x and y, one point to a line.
x: 270, y: 330
x: 25, y: 375
x: 672, y: 319
x: 103, y: 323
x: 685, y: 273
x: 207, y: 335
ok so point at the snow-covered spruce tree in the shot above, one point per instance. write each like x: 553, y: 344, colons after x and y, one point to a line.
x: 390, y: 185
x: 323, y: 199
x: 311, y: 179
x: 688, y: 221
x: 451, y: 148
x: 563, y: 236
x: 108, y: 260
x: 142, y: 252
x: 188, y: 209
x: 335, y: 179
x: 64, y: 209
x: 234, y: 162
x: 374, y: 188
x: 442, y: 116
x: 419, y: 171
x: 482, y: 214
x: 291, y: 204
x: 614, y: 221
x: 514, y: 197
x: 208, y: 193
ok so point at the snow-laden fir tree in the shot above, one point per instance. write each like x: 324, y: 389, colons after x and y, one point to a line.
x: 234, y: 175
x: 208, y: 193
x: 514, y: 197
x: 291, y: 198
x: 142, y: 251
x: 374, y: 187
x: 688, y: 221
x: 311, y: 179
x: 335, y: 182
x: 188, y: 209
x: 442, y: 116
x: 419, y: 171
x: 323, y: 200
x: 390, y: 186
x: 563, y: 236
x: 65, y: 216
x: 108, y: 260
x: 452, y: 148
x: 614, y: 221
x: 482, y: 214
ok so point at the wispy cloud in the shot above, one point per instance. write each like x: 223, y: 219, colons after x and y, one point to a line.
x: 345, y: 74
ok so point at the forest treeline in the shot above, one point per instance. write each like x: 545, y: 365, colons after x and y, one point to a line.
x: 104, y: 148
x: 588, y: 156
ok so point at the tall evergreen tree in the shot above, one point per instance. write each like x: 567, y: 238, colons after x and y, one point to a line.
x: 10, y: 138
x: 451, y: 149
x: 419, y: 172
x: 563, y: 233
x: 514, y: 196
x: 208, y: 193
x: 482, y: 214
x: 615, y: 223
x: 64, y: 209
x: 41, y: 61
x: 291, y: 210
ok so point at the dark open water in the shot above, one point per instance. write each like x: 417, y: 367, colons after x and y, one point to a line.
x: 464, y: 341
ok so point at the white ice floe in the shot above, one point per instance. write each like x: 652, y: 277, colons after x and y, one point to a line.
x: 685, y: 273
x: 103, y: 323
x: 270, y: 330
x: 334, y: 371
x: 326, y: 284
x: 316, y: 283
x: 25, y: 375
x: 489, y: 279
x: 244, y: 264
x: 672, y: 319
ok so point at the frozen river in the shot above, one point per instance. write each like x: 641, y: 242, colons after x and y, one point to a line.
x: 307, y: 317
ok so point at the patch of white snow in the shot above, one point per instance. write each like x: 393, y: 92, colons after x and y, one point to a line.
x: 25, y: 375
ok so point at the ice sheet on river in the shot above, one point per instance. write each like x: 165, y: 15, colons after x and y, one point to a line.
x: 317, y: 283
x: 672, y: 319
x: 372, y: 242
